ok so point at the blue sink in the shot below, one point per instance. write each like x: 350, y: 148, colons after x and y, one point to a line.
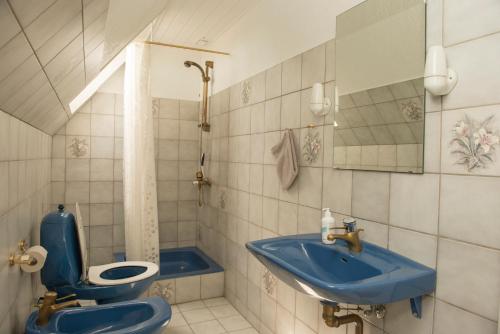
x: 334, y: 273
x: 147, y: 316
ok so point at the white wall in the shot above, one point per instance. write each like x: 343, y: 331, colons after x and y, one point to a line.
x: 169, y: 77
x: 274, y: 31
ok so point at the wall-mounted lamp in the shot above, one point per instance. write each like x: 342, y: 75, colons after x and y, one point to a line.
x: 438, y: 78
x: 319, y: 105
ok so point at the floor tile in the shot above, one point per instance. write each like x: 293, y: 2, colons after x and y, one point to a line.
x: 177, y: 320
x: 215, y: 301
x: 208, y: 327
x: 198, y: 315
x: 234, y: 323
x: 223, y: 311
x: 177, y: 330
x: 191, y: 306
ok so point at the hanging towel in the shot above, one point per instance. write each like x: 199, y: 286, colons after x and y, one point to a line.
x: 288, y: 167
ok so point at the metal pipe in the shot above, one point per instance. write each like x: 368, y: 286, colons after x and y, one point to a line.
x: 187, y: 48
x: 331, y: 320
x: 205, y: 78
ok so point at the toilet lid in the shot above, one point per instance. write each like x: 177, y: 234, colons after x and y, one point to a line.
x: 95, y: 272
x: 82, y: 242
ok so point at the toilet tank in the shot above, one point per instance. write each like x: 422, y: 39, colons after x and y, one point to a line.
x: 58, y: 235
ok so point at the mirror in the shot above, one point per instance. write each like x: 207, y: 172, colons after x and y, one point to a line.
x: 380, y: 58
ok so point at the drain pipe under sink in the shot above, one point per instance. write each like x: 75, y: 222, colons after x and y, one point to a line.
x: 331, y: 320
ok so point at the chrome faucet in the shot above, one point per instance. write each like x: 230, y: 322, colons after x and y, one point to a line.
x: 49, y: 306
x: 351, y: 236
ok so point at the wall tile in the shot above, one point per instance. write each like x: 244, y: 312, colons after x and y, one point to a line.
x: 460, y: 265
x: 417, y: 246
x: 459, y: 215
x: 313, y: 66
x: 414, y: 202
x: 370, y: 196
x: 291, y: 75
x: 399, y: 318
x: 169, y: 108
x: 337, y: 190
x: 464, y: 21
x: 287, y: 218
x: 478, y: 85
x: 101, y: 169
x: 306, y: 309
x: 376, y: 233
x: 273, y: 82
x: 272, y: 114
x: 432, y: 143
x: 270, y: 214
x: 102, y: 147
x: 101, y: 192
x: 310, y: 180
x: 451, y: 319
x: 77, y: 169
x: 290, y: 111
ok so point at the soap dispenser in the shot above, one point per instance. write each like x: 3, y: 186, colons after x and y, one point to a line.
x: 327, y: 222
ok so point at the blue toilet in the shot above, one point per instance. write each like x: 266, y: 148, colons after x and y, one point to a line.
x: 66, y: 270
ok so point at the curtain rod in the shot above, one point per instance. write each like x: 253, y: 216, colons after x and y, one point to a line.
x: 186, y: 47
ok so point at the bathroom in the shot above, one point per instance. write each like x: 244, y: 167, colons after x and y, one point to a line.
x: 151, y: 130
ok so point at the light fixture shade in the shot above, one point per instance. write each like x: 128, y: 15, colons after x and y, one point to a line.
x: 436, y: 64
x: 438, y: 78
x: 319, y: 104
x: 317, y: 93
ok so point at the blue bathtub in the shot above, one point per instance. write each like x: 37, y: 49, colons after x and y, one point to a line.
x: 182, y: 262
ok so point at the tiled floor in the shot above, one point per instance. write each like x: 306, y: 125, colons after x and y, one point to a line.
x: 209, y: 316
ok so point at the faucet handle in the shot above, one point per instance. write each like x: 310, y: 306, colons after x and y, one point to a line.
x: 70, y: 296
x: 349, y: 224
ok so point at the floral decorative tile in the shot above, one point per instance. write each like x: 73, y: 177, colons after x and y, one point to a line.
x: 311, y: 147
x: 78, y: 146
x: 470, y: 140
x: 164, y: 289
x: 246, y: 91
x: 474, y: 142
x: 269, y: 282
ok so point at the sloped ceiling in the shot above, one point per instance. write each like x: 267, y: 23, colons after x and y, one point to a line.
x: 49, y: 50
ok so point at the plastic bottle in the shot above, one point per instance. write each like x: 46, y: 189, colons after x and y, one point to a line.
x: 327, y: 222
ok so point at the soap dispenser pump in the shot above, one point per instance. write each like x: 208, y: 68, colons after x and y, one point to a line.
x: 327, y: 222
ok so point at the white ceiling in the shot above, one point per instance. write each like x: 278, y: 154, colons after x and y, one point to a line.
x: 186, y: 22
x: 49, y: 50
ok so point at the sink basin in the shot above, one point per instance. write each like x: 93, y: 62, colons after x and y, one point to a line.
x: 334, y: 273
x: 146, y: 316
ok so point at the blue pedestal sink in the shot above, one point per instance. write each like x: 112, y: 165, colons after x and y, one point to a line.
x: 333, y: 273
x: 147, y: 316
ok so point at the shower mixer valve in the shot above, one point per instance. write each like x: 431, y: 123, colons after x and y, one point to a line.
x: 201, y: 181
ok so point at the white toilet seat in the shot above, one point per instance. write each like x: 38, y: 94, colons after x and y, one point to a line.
x: 94, y: 275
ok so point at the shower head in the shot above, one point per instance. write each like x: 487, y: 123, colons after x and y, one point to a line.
x: 189, y: 63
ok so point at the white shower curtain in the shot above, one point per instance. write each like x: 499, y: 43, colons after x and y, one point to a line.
x: 139, y: 177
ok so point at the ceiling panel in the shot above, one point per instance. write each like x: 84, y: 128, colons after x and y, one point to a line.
x: 42, y: 56
x: 28, y: 10
x: 186, y: 22
x: 8, y: 24
x: 50, y: 22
